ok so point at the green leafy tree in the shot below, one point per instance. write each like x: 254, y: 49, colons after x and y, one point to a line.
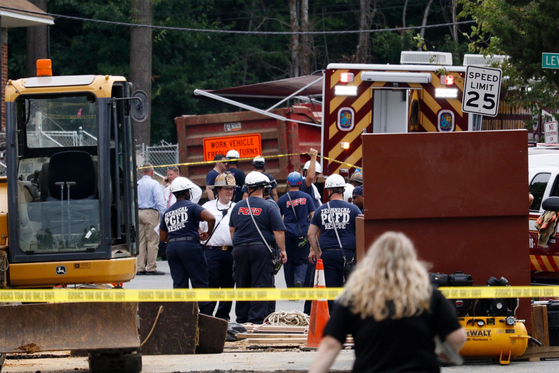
x: 521, y: 29
x: 183, y: 61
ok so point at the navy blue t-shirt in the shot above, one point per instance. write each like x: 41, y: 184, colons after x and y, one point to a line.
x: 266, y: 215
x: 303, y: 205
x: 240, y: 181
x: 344, y: 214
x: 182, y: 219
x: 309, y: 191
x: 271, y: 201
x: 272, y: 180
x: 210, y: 178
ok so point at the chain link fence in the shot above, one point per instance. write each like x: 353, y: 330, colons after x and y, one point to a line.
x: 158, y: 155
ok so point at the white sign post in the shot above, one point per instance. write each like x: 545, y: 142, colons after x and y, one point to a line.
x: 482, y: 90
x: 551, y: 133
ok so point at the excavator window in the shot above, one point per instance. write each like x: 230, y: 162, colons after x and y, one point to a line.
x: 58, y: 197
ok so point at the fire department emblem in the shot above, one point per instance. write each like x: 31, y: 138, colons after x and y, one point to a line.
x: 446, y: 121
x: 346, y: 119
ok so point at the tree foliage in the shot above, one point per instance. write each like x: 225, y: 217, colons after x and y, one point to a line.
x: 521, y: 29
x: 184, y: 61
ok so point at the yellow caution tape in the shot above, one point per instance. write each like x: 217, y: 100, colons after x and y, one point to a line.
x: 340, y: 162
x: 221, y: 161
x: 489, y: 292
x: 261, y: 294
x: 165, y: 295
x: 242, y: 159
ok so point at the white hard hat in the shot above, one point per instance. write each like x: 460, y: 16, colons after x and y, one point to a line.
x: 181, y: 183
x: 348, y: 192
x: 259, y: 162
x: 318, y: 168
x: 233, y: 154
x: 334, y: 181
x: 256, y: 179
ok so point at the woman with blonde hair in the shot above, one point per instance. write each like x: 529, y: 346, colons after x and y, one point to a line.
x: 393, y: 313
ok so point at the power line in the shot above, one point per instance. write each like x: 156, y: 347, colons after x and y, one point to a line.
x: 235, y: 32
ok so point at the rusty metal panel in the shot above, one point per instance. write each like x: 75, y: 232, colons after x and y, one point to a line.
x: 174, y: 332
x: 212, y: 333
x: 432, y: 175
x: 461, y: 198
x: 68, y: 326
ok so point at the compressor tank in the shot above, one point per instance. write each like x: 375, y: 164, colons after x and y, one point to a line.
x: 494, y: 337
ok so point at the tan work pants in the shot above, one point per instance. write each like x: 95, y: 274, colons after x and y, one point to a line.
x: 149, y: 240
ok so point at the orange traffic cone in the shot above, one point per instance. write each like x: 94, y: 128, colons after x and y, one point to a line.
x: 319, y: 310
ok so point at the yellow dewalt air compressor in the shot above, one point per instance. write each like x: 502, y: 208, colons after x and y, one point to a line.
x: 491, y: 324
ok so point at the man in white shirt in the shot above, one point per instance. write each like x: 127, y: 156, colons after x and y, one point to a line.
x: 219, y: 246
x: 172, y: 173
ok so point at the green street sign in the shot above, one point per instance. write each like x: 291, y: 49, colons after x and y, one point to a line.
x: 550, y: 60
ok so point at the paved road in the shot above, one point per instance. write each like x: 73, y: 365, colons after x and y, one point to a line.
x: 290, y: 361
x: 165, y: 282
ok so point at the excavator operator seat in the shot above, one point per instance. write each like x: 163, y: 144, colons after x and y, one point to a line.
x: 69, y: 175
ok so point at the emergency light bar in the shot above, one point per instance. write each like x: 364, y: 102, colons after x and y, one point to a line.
x: 446, y: 92
x: 447, y: 79
x: 345, y: 90
x: 346, y: 77
x: 395, y: 77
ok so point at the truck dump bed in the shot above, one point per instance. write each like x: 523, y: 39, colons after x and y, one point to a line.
x: 284, y: 138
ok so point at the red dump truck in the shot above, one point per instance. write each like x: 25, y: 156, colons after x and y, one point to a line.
x: 200, y: 137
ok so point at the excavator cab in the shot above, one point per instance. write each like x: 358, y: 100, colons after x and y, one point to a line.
x: 71, y: 215
x: 71, y: 181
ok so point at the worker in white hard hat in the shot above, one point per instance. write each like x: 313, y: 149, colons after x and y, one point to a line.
x: 172, y: 173
x: 233, y: 167
x: 333, y: 224
x: 258, y: 165
x: 311, y: 170
x: 256, y: 227
x: 179, y: 228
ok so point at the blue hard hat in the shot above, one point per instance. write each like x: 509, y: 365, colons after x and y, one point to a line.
x: 294, y: 179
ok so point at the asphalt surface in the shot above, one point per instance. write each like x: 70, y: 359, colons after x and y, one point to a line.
x: 265, y: 361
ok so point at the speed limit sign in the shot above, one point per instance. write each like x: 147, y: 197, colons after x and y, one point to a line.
x: 481, y: 91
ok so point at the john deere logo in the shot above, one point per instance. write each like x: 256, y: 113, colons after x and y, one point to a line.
x: 61, y: 270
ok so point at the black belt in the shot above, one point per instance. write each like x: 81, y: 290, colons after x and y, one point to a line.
x: 253, y: 243
x: 224, y: 247
x: 188, y: 238
x: 149, y: 209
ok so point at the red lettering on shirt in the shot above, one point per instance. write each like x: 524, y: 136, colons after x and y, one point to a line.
x: 297, y: 202
x: 244, y: 211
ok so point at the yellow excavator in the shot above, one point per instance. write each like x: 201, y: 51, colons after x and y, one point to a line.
x: 68, y: 213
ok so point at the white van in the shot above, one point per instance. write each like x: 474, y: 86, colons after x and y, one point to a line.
x: 543, y: 166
